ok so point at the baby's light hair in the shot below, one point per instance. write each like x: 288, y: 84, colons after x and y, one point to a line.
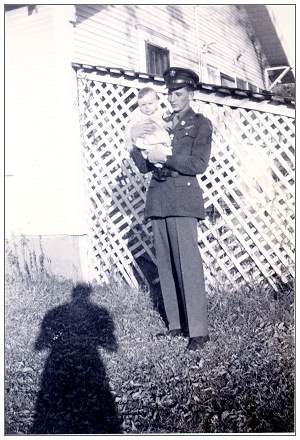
x: 145, y: 91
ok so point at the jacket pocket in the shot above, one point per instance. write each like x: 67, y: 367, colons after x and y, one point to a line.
x: 187, y: 132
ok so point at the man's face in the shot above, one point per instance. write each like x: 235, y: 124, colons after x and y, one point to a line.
x: 180, y: 99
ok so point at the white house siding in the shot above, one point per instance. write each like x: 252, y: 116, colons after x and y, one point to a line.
x: 113, y: 35
x: 44, y: 190
x: 225, y: 26
x: 110, y: 35
x: 99, y: 33
x: 30, y: 106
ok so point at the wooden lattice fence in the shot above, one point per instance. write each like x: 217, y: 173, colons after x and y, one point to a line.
x: 248, y: 187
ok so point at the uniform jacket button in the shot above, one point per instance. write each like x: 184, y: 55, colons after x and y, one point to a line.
x: 189, y: 184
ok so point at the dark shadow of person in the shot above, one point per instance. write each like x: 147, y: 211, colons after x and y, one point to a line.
x: 74, y: 395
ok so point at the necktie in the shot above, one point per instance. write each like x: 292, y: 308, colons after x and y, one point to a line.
x: 175, y: 120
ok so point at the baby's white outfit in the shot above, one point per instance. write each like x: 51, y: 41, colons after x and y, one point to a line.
x: 160, y: 136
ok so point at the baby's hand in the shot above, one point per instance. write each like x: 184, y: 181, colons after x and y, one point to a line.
x: 157, y: 155
x: 149, y: 126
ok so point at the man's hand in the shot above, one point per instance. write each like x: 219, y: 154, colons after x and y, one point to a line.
x: 157, y: 155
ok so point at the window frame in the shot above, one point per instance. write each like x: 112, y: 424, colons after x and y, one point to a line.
x: 227, y: 77
x: 216, y: 71
x: 155, y: 38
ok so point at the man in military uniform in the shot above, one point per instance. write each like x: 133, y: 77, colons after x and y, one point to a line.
x: 174, y: 204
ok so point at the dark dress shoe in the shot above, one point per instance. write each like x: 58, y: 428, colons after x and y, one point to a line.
x: 197, y: 343
x: 173, y: 333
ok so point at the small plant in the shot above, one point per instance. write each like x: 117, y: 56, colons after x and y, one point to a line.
x: 22, y: 261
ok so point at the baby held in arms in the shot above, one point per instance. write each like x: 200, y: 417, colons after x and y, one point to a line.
x: 148, y: 111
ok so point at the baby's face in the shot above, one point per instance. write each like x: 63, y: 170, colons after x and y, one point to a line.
x: 148, y: 104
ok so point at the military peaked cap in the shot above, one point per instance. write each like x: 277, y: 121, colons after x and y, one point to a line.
x: 178, y: 77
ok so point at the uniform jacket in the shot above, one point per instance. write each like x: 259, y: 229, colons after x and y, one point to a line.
x: 180, y: 195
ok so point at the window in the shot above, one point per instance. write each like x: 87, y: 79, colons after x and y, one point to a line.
x: 241, y: 84
x: 245, y: 85
x: 252, y: 87
x: 227, y: 80
x: 157, y: 58
x: 212, y: 75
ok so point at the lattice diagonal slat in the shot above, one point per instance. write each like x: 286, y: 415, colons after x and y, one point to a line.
x: 248, y: 188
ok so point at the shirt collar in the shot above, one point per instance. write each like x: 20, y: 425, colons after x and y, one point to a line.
x: 186, y: 114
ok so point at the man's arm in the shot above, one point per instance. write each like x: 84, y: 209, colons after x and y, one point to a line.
x: 197, y: 162
x: 143, y: 165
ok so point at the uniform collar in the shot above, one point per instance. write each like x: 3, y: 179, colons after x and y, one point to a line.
x: 184, y: 117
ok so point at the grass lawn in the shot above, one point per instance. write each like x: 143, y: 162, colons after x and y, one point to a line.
x: 92, y: 365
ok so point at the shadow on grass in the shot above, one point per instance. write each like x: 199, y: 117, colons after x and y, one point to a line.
x: 150, y: 273
x: 74, y: 394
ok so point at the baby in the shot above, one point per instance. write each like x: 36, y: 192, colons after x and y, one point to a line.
x: 148, y: 110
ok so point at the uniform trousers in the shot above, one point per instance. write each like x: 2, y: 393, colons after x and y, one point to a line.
x: 181, y: 275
